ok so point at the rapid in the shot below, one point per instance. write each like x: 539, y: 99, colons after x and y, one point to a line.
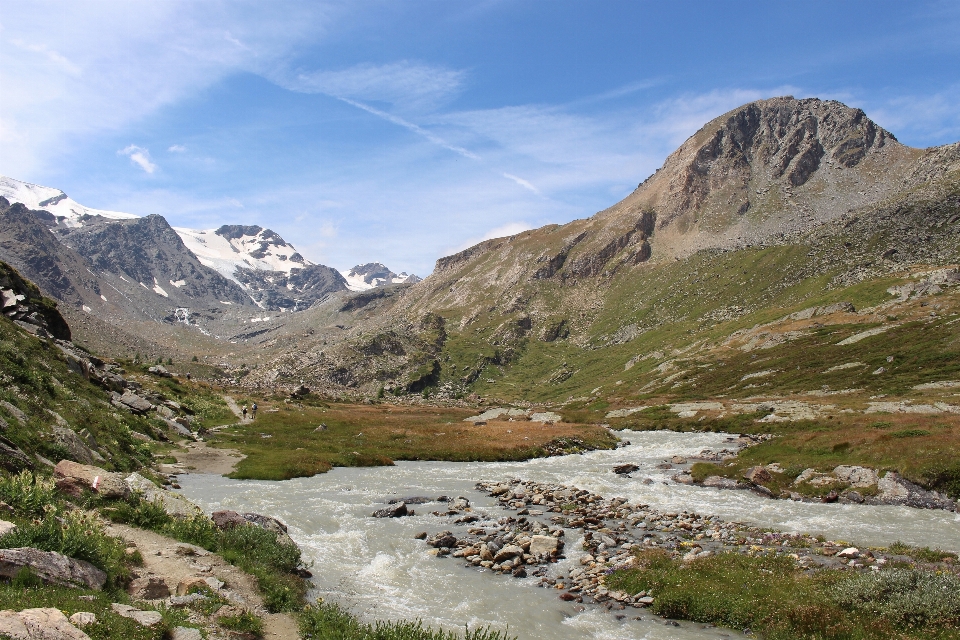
x: 378, y: 570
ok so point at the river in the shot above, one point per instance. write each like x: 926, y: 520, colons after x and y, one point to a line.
x: 377, y: 569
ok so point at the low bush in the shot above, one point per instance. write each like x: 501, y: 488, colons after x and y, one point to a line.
x: 331, y: 622
x: 29, y: 495
x: 907, y: 598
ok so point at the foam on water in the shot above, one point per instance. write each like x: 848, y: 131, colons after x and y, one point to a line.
x: 375, y: 566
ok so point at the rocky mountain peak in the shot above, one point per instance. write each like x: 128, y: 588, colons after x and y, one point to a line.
x: 376, y: 274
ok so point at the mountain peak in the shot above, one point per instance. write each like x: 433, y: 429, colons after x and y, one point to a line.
x: 375, y: 274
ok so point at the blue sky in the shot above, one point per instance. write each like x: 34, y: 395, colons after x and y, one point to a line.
x: 402, y: 131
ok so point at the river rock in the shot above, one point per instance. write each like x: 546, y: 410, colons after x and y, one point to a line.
x: 856, y: 477
x: 719, y: 482
x: 543, y: 545
x: 51, y: 567
x: 849, y: 552
x: 39, y: 624
x: 394, y: 511
x: 173, y: 503
x: 625, y: 469
x: 148, y: 588
x: 74, y: 479
x: 143, y: 618
x: 757, y: 475
x: 227, y: 519
x: 508, y: 553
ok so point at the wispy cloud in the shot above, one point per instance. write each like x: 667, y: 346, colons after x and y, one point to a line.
x: 176, y: 148
x: 138, y: 156
x: 520, y: 181
x: 405, y: 85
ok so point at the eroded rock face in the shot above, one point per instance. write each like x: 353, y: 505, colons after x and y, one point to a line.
x: 51, y: 567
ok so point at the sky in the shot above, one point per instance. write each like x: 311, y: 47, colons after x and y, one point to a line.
x: 402, y: 131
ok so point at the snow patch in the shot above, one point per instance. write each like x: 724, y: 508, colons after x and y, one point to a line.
x: 103, y: 297
x: 86, y: 308
x: 55, y: 201
x: 159, y: 291
x: 178, y: 283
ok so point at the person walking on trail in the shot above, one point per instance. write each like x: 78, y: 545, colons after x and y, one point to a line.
x: 253, y: 411
x: 244, y: 411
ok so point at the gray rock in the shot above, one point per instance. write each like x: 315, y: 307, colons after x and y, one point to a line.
x: 543, y: 545
x: 39, y: 624
x: 173, y: 503
x: 508, y: 553
x: 625, y: 469
x: 856, y: 477
x: 185, y: 633
x: 51, y: 567
x: 143, y: 618
x: 149, y: 588
x: 394, y: 511
x: 185, y: 601
x: 83, y: 619
x: 135, y: 403
x: 6, y: 527
x: 161, y: 371
x: 75, y: 446
x: 719, y: 482
x: 18, y: 415
x: 75, y: 479
x: 12, y: 458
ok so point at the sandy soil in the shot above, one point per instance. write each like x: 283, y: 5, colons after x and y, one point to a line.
x: 197, y: 457
x: 162, y: 559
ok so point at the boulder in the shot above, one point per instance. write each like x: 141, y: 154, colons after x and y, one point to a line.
x: 544, y: 545
x: 625, y: 469
x: 51, y: 567
x: 719, y: 482
x: 75, y: 445
x: 849, y: 552
x: 143, y: 618
x: 12, y: 458
x: 856, y: 477
x: 39, y: 624
x: 185, y: 633
x: 508, y: 553
x: 394, y: 511
x: 161, y: 371
x: 6, y: 527
x: 173, y: 503
x: 227, y: 519
x: 444, y: 539
x: 17, y: 414
x: 74, y: 479
x: 757, y: 475
x: 148, y: 588
x: 135, y: 403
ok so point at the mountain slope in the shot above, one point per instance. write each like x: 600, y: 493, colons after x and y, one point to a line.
x: 773, y: 206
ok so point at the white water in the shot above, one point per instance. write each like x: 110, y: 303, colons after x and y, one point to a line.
x: 376, y: 567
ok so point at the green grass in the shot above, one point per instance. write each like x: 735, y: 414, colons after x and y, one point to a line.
x: 775, y: 600
x: 331, y: 622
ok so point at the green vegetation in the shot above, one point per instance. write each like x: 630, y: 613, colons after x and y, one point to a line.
x: 331, y: 622
x: 289, y: 442
x: 774, y: 599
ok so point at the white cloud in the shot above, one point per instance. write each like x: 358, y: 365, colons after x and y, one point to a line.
x: 176, y: 148
x: 520, y: 181
x: 138, y: 156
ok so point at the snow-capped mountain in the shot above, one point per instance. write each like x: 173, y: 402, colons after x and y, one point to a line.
x: 249, y: 247
x: 65, y: 209
x: 374, y: 274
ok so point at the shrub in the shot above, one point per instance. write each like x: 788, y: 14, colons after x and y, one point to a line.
x: 29, y: 495
x: 908, y: 598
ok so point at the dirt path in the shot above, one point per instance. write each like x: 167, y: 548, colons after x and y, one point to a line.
x: 174, y: 561
x: 198, y: 457
x: 237, y: 411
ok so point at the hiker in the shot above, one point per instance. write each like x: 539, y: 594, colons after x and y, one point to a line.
x: 244, y: 410
x: 253, y: 410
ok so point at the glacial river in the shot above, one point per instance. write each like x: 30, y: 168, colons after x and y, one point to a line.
x: 378, y: 570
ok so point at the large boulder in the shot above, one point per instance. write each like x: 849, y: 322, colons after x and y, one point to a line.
x: 544, y: 545
x: 173, y: 503
x: 75, y: 479
x: 51, y: 567
x: 38, y: 624
x: 132, y: 402
x: 75, y: 445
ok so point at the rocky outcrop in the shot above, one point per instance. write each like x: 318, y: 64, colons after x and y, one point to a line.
x: 51, y: 567
x: 173, y: 503
x: 22, y: 302
x: 76, y: 479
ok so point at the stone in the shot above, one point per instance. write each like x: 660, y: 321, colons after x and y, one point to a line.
x: 719, y: 482
x: 856, y: 477
x: 135, y: 403
x: 394, y: 511
x: 545, y: 416
x: 508, y: 553
x: 39, y: 624
x: 849, y: 552
x: 148, y: 588
x: 543, y: 545
x: 17, y: 414
x: 83, y: 619
x: 51, y: 567
x: 757, y: 475
x: 160, y: 370
x: 74, y: 479
x: 227, y: 519
x: 75, y: 445
x: 185, y: 633
x: 625, y: 469
x: 6, y: 527
x: 645, y: 601
x: 191, y: 582
x: 12, y: 458
x: 185, y: 601
x: 173, y: 503
x: 678, y: 460
x: 165, y: 412
x: 187, y: 549
x: 143, y: 618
